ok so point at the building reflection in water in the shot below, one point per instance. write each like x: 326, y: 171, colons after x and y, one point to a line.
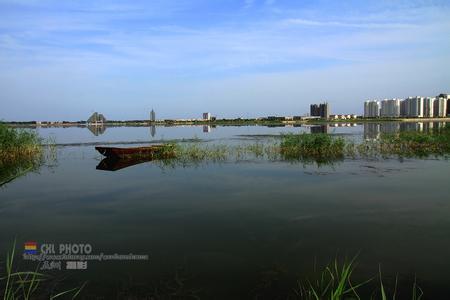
x: 153, y: 130
x: 206, y: 128
x: 430, y: 126
x: 343, y: 125
x: 389, y: 127
x: 319, y: 129
x: 97, y: 129
x: 413, y: 126
x: 373, y: 130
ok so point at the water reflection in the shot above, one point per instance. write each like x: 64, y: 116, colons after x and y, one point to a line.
x: 153, y: 130
x: 97, y: 129
x: 115, y: 164
x: 373, y: 130
x: 12, y: 171
x: 343, y: 125
x: 389, y: 128
x: 422, y: 126
x: 319, y: 129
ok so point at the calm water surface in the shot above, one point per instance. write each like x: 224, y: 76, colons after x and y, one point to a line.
x: 224, y: 226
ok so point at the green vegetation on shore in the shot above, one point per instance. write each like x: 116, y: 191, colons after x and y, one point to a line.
x: 20, y: 151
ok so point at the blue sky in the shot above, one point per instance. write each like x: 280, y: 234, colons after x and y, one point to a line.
x: 247, y: 58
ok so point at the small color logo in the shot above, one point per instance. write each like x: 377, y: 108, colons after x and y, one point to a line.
x: 30, y: 248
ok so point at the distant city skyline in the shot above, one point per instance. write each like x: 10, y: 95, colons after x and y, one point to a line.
x: 64, y: 60
x: 418, y: 106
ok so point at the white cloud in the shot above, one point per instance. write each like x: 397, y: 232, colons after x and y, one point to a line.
x: 299, y: 21
x: 248, y: 3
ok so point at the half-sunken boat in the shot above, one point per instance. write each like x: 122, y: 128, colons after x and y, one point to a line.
x: 154, y: 151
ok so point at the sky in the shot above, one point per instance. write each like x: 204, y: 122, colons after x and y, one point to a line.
x: 63, y: 60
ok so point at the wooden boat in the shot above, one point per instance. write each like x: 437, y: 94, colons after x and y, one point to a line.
x: 149, y: 151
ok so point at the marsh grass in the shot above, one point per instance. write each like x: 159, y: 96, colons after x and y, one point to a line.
x: 320, y: 147
x: 18, y: 144
x: 416, y: 144
x: 186, y: 154
x: 305, y: 148
x: 21, y: 151
x: 407, y: 145
x: 26, y: 285
x: 335, y: 282
x: 196, y: 153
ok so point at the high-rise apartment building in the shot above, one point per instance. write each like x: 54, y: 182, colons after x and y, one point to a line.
x: 390, y: 108
x: 428, y: 107
x: 414, y: 107
x: 446, y: 96
x: 411, y: 107
x: 371, y: 109
x: 404, y: 108
x: 440, y: 106
x: 320, y: 110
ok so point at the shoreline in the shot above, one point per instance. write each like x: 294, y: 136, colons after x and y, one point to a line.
x: 170, y: 123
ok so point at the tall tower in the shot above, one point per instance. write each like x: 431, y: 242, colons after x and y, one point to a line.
x: 152, y: 116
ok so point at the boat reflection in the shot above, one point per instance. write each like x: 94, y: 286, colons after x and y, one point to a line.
x: 115, y: 163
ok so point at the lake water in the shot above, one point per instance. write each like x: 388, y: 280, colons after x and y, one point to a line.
x: 235, y: 229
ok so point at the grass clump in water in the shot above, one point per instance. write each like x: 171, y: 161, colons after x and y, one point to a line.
x: 20, y: 152
x: 193, y: 153
x: 333, y: 283
x: 18, y: 144
x: 319, y: 147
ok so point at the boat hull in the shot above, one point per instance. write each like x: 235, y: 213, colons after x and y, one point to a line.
x: 150, y: 151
